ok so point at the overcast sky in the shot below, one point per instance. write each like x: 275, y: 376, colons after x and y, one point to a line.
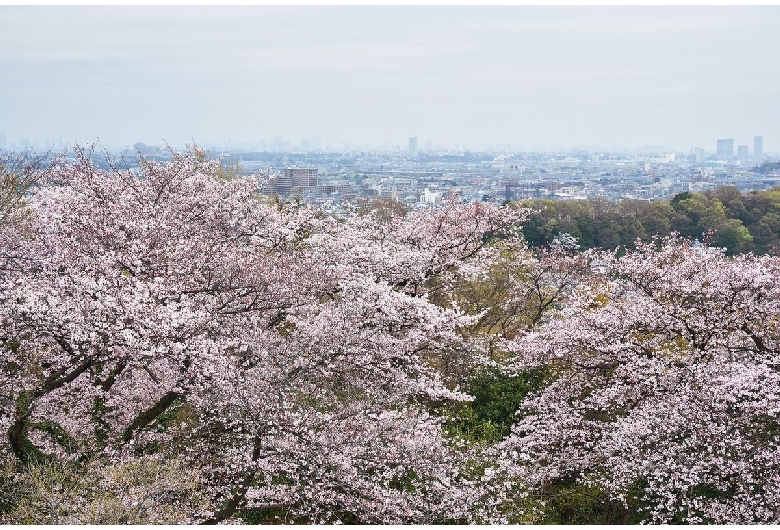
x: 560, y: 76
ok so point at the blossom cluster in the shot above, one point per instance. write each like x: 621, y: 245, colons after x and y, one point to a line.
x: 281, y: 353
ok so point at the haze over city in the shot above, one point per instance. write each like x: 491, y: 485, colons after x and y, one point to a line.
x: 473, y: 76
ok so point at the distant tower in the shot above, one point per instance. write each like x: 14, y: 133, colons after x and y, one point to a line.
x: 725, y: 148
x: 742, y: 150
x: 413, y: 145
x: 758, y: 149
x: 2, y: 139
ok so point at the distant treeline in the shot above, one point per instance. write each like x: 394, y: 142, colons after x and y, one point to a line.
x: 740, y: 222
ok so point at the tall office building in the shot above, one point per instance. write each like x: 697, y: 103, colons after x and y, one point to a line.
x: 758, y: 148
x: 742, y: 153
x: 2, y: 139
x: 413, y: 145
x: 725, y: 148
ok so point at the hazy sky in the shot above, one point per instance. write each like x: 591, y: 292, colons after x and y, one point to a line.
x: 559, y: 76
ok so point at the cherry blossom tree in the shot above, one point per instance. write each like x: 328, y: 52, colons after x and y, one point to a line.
x: 284, y: 356
x: 19, y: 173
x: 664, y: 390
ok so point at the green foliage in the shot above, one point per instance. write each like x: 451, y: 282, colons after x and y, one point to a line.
x: 497, y: 396
x: 57, y: 433
x: 740, y: 222
x: 175, y: 413
x: 25, y: 449
x: 404, y: 482
x: 102, y: 427
x: 570, y: 501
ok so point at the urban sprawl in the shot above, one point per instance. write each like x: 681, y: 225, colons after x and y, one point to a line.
x: 422, y: 178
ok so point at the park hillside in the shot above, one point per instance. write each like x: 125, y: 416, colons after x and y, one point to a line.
x: 176, y: 348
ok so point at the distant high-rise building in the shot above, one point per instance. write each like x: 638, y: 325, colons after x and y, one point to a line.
x: 742, y: 152
x: 293, y: 177
x: 758, y: 148
x: 413, y: 145
x: 2, y: 139
x: 725, y: 148
x: 698, y: 155
x: 301, y: 177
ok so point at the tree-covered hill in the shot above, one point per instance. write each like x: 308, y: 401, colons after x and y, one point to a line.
x: 740, y: 222
x: 176, y: 348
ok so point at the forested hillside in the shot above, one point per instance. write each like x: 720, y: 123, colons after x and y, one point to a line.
x: 739, y: 222
x: 175, y: 348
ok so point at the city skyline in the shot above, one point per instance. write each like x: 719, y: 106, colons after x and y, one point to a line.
x: 724, y: 148
x: 413, y: 147
x: 526, y: 77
